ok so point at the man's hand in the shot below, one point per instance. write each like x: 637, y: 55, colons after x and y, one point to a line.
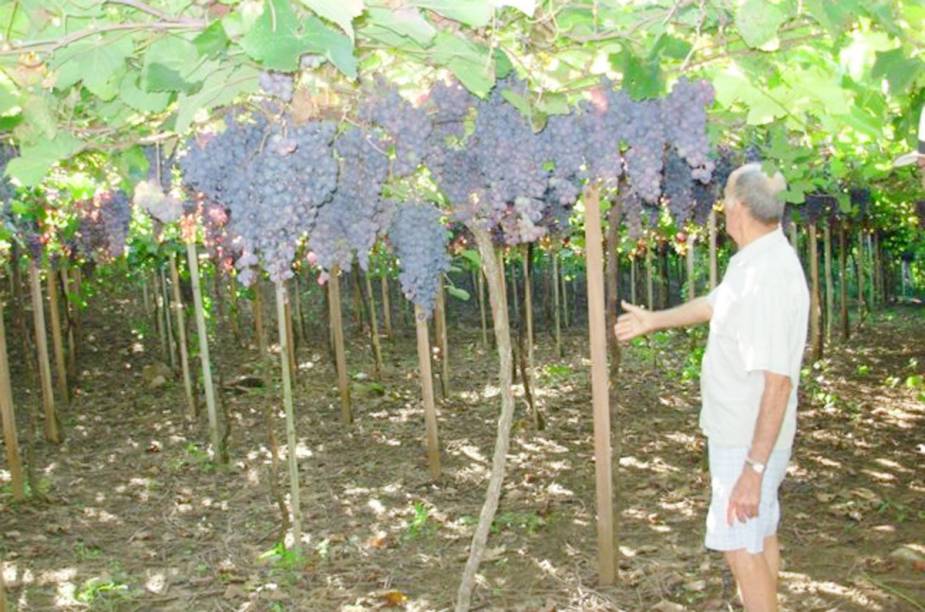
x: 634, y: 322
x: 746, y: 495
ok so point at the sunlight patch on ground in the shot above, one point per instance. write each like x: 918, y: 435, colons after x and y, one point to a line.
x: 797, y: 583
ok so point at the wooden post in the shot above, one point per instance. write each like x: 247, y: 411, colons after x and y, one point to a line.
x: 555, y: 296
x: 528, y: 318
x: 827, y: 273
x: 612, y: 286
x: 291, y: 441
x: 146, y: 296
x: 815, y: 311
x: 291, y: 346
x: 874, y: 284
x: 159, y: 316
x: 52, y: 432
x: 374, y: 328
x: 8, y: 417
x: 565, y: 311
x: 337, y: 327
x: 181, y: 332
x: 70, y: 314
x: 57, y: 338
x: 494, y: 273
x: 515, y: 293
x: 691, y: 281
x: 168, y: 323
x: 480, y: 283
x: 650, y: 285
x: 235, y: 309
x: 859, y: 261
x: 386, y: 304
x: 442, y: 342
x: 427, y: 393
x: 633, y: 278
x: 193, y: 261
x: 843, y: 282
x: 711, y: 228
x: 599, y: 391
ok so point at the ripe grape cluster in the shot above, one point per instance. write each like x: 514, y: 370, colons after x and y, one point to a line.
x: 104, y: 225
x: 407, y: 127
x: 420, y: 242
x: 352, y: 220
x: 150, y: 197
x: 277, y: 84
x: 679, y: 183
x: 817, y: 206
x: 644, y: 133
x: 272, y: 178
x: 685, y: 112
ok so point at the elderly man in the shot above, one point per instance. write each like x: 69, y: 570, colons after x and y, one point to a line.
x: 758, y: 322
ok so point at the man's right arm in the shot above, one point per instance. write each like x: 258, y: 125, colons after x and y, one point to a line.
x: 638, y: 321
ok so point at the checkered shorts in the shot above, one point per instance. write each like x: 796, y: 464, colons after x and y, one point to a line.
x: 725, y: 468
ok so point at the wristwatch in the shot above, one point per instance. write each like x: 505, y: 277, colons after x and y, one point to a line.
x: 755, y: 465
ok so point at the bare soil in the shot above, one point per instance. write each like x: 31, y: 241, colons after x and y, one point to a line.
x: 130, y: 513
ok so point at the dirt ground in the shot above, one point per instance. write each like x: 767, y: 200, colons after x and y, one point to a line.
x: 133, y: 514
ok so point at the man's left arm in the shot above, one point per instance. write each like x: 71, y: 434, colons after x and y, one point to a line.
x: 743, y: 503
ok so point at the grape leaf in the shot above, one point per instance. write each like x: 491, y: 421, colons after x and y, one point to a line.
x: 334, y: 46
x: 144, y: 101
x: 341, y: 12
x: 758, y: 22
x: 468, y: 61
x: 527, y: 7
x: 473, y: 13
x: 404, y: 22
x: 212, y: 41
x: 220, y: 87
x: 169, y: 65
x: 94, y: 61
x: 36, y: 160
x: 897, y: 69
x: 459, y: 294
x: 276, y: 40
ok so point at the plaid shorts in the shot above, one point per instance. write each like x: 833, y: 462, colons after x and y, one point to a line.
x: 726, y: 465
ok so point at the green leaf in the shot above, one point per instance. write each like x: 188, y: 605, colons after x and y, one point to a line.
x: 459, y: 294
x: 833, y: 15
x: 9, y: 94
x: 332, y: 45
x: 758, y: 22
x: 170, y: 64
x: 221, y: 87
x: 341, y: 12
x: 276, y: 40
x: 212, y: 41
x: 143, y: 101
x: 404, y: 22
x: 38, y: 114
x: 35, y: 161
x: 503, y: 65
x: 97, y: 61
x: 641, y: 78
x: 527, y: 7
x: 672, y: 47
x: 470, y: 63
x: 472, y: 256
x: 897, y: 69
x: 473, y: 13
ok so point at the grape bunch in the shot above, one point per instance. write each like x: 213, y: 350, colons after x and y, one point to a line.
x: 7, y: 191
x: 277, y: 84
x: 150, y: 197
x: 351, y: 221
x: 407, y: 127
x: 817, y: 206
x: 678, y: 188
x: 450, y: 104
x: 419, y: 240
x: 272, y: 178
x: 861, y: 198
x: 104, y: 224
x: 685, y: 119
x: 644, y: 132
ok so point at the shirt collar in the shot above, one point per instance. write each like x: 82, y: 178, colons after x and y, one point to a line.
x: 757, y: 247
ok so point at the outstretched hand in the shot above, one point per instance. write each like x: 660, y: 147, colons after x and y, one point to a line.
x: 634, y: 322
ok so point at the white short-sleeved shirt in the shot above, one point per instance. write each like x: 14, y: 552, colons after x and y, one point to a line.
x: 759, y: 323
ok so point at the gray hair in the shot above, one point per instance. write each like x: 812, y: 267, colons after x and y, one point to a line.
x: 759, y: 192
